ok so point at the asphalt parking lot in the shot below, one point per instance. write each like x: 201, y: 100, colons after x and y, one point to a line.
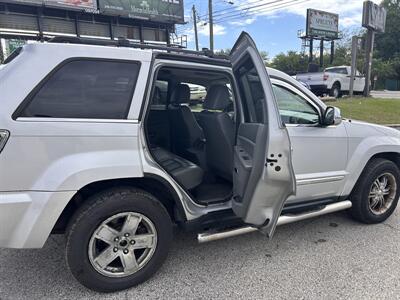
x: 331, y: 257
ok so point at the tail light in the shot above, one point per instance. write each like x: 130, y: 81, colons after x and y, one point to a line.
x: 4, y: 134
x: 326, y: 76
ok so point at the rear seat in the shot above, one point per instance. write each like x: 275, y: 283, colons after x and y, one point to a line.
x: 188, y: 174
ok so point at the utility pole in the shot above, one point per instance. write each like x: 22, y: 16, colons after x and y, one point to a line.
x: 332, y: 52
x: 354, y: 47
x: 195, y: 27
x: 211, y: 24
x: 310, y: 56
x: 368, y: 60
x: 321, y: 53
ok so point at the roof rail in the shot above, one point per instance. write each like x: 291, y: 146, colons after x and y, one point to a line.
x: 122, y: 42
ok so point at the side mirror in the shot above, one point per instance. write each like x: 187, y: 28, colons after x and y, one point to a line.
x: 332, y: 116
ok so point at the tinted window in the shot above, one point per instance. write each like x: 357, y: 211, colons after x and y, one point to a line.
x: 293, y: 108
x: 86, y: 89
x: 252, y: 92
x: 337, y: 70
x: 160, y: 93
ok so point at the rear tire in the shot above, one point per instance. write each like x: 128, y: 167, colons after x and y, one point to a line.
x: 368, y: 205
x: 124, y: 229
x: 335, y: 91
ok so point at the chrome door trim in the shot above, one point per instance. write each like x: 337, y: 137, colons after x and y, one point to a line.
x: 319, y: 180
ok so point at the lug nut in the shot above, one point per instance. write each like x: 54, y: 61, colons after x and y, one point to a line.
x: 133, y: 242
x: 126, y: 251
x: 126, y: 234
x: 115, y: 249
x: 116, y: 239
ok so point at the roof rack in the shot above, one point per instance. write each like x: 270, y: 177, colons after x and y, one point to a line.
x: 122, y: 42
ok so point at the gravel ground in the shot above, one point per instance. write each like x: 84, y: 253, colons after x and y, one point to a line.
x: 331, y: 257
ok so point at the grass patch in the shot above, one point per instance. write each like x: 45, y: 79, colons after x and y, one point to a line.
x: 374, y: 110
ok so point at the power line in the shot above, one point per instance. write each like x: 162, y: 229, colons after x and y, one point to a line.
x: 245, y: 9
x: 258, y: 9
x: 255, y: 12
x: 233, y: 7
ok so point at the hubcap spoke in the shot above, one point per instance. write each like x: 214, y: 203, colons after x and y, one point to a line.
x: 106, y: 257
x: 375, y: 201
x: 372, y: 194
x: 384, y: 182
x: 131, y: 224
x: 143, y: 241
x: 377, y: 184
x: 106, y: 234
x: 129, y: 262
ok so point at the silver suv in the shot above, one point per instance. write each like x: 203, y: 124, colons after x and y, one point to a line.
x: 102, y: 143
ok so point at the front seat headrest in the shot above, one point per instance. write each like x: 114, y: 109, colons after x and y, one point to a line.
x: 181, y: 94
x: 217, y: 98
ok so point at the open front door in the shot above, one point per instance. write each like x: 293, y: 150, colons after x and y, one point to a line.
x: 263, y: 174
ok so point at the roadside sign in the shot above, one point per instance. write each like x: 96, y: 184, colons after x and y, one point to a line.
x: 374, y: 17
x: 322, y: 24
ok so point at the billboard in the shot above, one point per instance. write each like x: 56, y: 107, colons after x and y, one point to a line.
x: 322, y: 24
x: 165, y: 11
x: 86, y: 5
x: 154, y: 10
x: 374, y: 16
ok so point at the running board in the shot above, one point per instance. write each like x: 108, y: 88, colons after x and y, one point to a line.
x: 284, y: 219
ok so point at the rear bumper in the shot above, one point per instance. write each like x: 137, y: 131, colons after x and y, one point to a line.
x: 319, y: 88
x: 27, y: 218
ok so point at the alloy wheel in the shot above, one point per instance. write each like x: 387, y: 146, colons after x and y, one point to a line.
x: 123, y: 244
x: 382, y: 193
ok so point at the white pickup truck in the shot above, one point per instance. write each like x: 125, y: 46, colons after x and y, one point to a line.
x: 334, y: 81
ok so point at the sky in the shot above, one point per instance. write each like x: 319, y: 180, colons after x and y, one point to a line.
x: 273, y: 24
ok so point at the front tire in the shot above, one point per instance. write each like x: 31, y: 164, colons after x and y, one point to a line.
x: 118, y: 239
x: 377, y: 192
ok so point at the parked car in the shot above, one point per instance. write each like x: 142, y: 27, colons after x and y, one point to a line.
x: 334, y: 81
x: 90, y: 150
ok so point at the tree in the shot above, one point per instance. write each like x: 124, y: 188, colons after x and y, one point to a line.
x: 387, y: 44
x: 291, y: 62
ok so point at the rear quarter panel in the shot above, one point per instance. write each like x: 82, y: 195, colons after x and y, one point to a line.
x: 45, y: 154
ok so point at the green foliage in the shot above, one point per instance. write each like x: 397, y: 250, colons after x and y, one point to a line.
x: 291, y: 62
x: 223, y: 51
x: 387, y: 45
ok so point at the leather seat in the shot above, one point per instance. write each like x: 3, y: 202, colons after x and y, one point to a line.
x: 185, y: 131
x: 219, y: 131
x: 183, y: 171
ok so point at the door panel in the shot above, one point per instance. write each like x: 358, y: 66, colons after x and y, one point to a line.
x: 319, y: 161
x: 319, y: 152
x: 263, y: 173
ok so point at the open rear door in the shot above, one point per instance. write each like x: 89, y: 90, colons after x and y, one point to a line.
x: 263, y: 174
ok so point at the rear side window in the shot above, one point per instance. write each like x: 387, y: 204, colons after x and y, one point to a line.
x: 88, y: 89
x: 337, y: 70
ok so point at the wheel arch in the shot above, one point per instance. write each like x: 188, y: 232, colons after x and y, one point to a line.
x: 389, y: 155
x: 337, y: 82
x: 153, y: 184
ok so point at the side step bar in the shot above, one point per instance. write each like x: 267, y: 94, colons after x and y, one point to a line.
x: 284, y: 219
